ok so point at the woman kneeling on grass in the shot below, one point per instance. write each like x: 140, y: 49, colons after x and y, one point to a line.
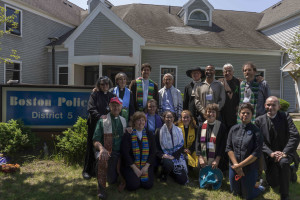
x: 138, y: 154
x: 189, y: 129
x: 244, y: 147
x: 211, y: 140
x: 169, y: 145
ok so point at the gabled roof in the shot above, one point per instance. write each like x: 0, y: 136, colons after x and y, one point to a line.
x: 230, y: 29
x: 61, y: 9
x: 290, y: 66
x: 279, y: 12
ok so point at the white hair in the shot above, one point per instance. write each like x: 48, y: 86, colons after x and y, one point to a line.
x: 228, y: 65
x: 168, y: 74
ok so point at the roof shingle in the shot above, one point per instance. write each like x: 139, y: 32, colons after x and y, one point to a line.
x: 279, y: 12
x: 231, y: 29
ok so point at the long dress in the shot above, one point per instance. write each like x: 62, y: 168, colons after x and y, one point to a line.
x: 97, y: 106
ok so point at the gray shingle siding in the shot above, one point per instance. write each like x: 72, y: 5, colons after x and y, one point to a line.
x: 61, y: 58
x: 284, y: 32
x: 187, y: 60
x: 289, y: 91
x: 102, y: 37
x: 31, y: 46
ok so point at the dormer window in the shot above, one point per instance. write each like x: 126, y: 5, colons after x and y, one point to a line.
x: 198, y: 15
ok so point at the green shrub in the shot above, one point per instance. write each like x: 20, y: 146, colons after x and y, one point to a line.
x: 72, y: 143
x: 284, y: 105
x: 14, y: 137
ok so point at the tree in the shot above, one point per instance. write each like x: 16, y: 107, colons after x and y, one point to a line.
x: 293, y: 50
x: 8, y: 20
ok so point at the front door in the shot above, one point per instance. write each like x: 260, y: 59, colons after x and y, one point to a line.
x: 111, y: 71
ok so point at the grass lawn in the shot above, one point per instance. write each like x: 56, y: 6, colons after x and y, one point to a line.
x: 297, y: 123
x: 49, y: 179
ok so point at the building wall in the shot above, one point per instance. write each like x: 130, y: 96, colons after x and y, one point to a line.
x: 31, y: 47
x: 283, y: 32
x: 198, y: 5
x: 289, y: 91
x: 61, y: 58
x: 187, y: 60
x: 102, y: 37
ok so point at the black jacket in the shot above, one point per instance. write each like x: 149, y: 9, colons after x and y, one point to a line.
x: 286, y: 128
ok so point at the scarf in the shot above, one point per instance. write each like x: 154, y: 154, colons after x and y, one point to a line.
x: 210, y: 155
x: 139, y: 92
x: 254, y: 87
x: 191, y: 136
x: 168, y: 147
x: 227, y: 87
x: 140, y: 160
x: 125, y: 100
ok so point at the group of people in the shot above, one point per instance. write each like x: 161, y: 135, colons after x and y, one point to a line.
x: 230, y: 124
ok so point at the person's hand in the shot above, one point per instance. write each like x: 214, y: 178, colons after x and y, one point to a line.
x: 129, y: 129
x: 215, y: 164
x: 95, y: 90
x: 144, y: 170
x: 103, y: 116
x: 277, y: 155
x: 187, y: 151
x: 202, y: 162
x: 137, y: 172
x: 168, y: 156
x: 104, y: 154
x: 240, y: 172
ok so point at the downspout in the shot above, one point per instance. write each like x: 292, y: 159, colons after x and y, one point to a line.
x: 281, y: 74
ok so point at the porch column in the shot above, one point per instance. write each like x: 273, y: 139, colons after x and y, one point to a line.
x: 100, y: 70
x: 71, y: 74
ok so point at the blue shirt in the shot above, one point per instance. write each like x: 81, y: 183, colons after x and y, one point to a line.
x: 167, y: 101
x: 151, y: 123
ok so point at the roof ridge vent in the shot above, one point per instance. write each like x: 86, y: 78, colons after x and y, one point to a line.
x: 276, y: 5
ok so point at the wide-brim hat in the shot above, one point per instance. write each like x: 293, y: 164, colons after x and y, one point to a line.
x: 208, y: 175
x: 189, y: 72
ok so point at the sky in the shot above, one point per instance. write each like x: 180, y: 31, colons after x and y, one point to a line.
x: 238, y: 5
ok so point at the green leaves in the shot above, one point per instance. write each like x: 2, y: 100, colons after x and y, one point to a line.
x: 72, y: 143
x: 14, y: 137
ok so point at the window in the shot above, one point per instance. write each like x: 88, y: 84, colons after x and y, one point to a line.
x: 15, y: 26
x: 168, y: 69
x: 12, y: 71
x: 219, y: 74
x: 62, y: 75
x: 198, y: 15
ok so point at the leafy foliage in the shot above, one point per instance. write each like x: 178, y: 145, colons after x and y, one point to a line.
x: 293, y: 48
x: 14, y: 137
x: 72, y: 143
x: 284, y: 105
x: 8, y: 19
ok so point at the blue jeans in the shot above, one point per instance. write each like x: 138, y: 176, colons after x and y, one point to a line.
x: 245, y: 186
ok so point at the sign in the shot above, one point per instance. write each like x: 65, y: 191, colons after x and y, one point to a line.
x: 45, y: 107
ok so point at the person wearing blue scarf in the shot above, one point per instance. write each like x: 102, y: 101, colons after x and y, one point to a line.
x: 125, y: 94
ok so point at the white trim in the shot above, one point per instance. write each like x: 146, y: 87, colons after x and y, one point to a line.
x: 212, y: 50
x: 110, y: 15
x: 38, y: 12
x: 57, y: 72
x: 21, y: 21
x: 168, y: 66
x: 262, y: 70
x: 199, y: 10
x: 100, y: 70
x: 13, y: 61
